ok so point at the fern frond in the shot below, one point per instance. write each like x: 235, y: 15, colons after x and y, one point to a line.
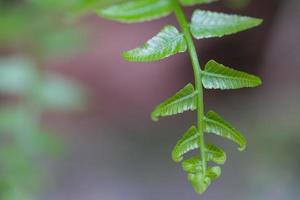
x: 166, y: 43
x: 213, y: 123
x: 218, y: 76
x: 188, y: 142
x: 182, y: 101
x: 206, y: 24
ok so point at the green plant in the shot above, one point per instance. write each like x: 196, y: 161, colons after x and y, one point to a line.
x: 169, y: 41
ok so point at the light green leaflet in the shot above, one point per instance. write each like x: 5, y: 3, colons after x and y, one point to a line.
x: 188, y: 142
x: 194, y: 2
x: 183, y: 100
x: 215, y: 154
x: 206, y: 24
x: 194, y: 164
x: 213, y: 123
x: 137, y: 10
x: 218, y: 76
x: 166, y: 43
x: 201, y: 182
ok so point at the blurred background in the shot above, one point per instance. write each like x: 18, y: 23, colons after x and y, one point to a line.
x: 75, y: 117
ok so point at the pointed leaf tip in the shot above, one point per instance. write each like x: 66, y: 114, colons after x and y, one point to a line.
x: 206, y: 24
x: 166, y: 43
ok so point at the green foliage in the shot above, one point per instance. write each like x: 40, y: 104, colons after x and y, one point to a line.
x: 188, y: 142
x: 166, y: 43
x: 182, y: 101
x: 217, y: 76
x: 215, y: 154
x: 204, y: 24
x: 138, y: 11
x: 213, y: 123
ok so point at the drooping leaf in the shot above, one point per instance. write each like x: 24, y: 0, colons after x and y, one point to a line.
x: 215, y: 154
x: 188, y: 142
x: 137, y: 10
x: 213, y: 123
x: 194, y: 2
x: 183, y: 100
x: 218, y: 76
x: 166, y: 43
x: 206, y: 24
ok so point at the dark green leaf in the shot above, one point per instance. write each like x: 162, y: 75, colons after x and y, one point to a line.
x: 217, y: 125
x: 166, y: 43
x: 206, y: 24
x: 138, y: 10
x: 183, y: 100
x: 188, y: 142
x: 218, y: 76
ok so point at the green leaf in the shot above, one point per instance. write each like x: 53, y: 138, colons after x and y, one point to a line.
x: 188, y: 142
x: 206, y: 24
x: 213, y: 123
x: 194, y: 2
x: 218, y: 76
x: 200, y: 182
x: 213, y: 173
x: 138, y: 10
x: 166, y: 43
x: 192, y: 165
x: 183, y: 100
x: 215, y: 154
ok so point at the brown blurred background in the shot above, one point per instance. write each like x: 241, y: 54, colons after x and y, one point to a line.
x: 112, y: 150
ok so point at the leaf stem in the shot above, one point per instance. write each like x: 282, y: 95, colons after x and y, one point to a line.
x: 197, y: 75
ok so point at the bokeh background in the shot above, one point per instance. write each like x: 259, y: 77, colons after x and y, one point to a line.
x: 75, y: 117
